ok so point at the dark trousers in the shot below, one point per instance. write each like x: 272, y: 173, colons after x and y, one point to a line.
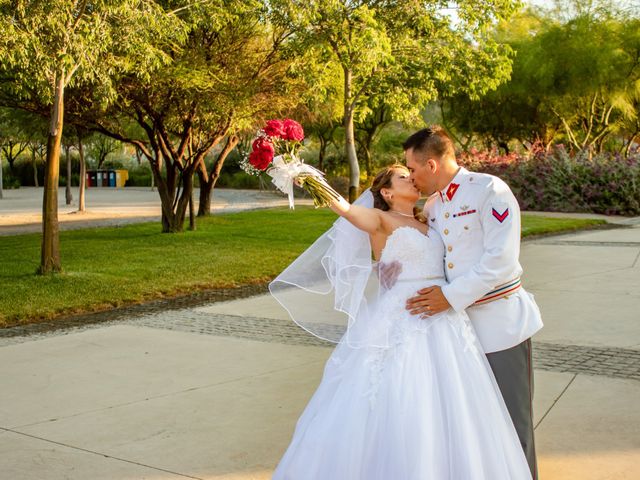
x: 514, y: 373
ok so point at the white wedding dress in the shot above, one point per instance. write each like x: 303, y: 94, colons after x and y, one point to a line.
x: 426, y: 407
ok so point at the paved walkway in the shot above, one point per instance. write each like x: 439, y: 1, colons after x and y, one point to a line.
x: 213, y: 392
x: 21, y: 209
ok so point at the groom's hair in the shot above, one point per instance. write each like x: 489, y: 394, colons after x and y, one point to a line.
x: 431, y: 142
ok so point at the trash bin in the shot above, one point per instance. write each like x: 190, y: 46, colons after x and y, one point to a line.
x: 121, y: 177
x: 104, y: 178
x: 112, y: 178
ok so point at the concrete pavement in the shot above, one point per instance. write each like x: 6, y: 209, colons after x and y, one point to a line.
x: 21, y: 209
x: 214, y: 392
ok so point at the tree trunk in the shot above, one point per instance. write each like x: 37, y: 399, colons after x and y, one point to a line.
x: 67, y: 192
x: 11, y: 160
x: 322, y: 153
x: 50, y: 253
x: 173, y: 212
x: 1, y: 180
x: 352, y: 157
x: 627, y: 149
x: 368, y: 163
x: 206, y: 188
x: 504, y: 146
x: 192, y: 213
x: 83, y: 177
x: 35, y: 167
x: 174, y: 222
x: 166, y: 202
x: 208, y: 181
x: 350, y: 143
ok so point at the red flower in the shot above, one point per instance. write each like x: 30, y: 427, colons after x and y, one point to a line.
x: 262, y: 153
x: 292, y: 130
x: 274, y: 128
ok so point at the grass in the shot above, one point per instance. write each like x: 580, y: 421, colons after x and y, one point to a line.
x: 535, y: 225
x: 107, y: 267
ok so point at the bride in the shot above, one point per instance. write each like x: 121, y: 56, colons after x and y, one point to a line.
x: 402, y: 397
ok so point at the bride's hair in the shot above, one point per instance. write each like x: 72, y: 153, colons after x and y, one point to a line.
x: 382, y: 180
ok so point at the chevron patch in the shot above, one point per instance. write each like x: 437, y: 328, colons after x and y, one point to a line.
x: 500, y: 216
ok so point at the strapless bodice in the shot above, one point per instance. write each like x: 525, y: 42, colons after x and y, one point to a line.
x: 420, y: 256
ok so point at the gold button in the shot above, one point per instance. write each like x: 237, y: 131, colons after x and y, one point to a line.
x: 450, y: 265
x: 446, y: 215
x: 466, y: 227
x: 446, y: 232
x: 449, y: 248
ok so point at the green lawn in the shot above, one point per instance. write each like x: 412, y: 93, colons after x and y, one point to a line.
x: 105, y: 267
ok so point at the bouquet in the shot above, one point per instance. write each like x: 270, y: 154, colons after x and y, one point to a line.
x: 275, y: 151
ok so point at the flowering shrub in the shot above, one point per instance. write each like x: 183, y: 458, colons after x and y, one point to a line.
x: 559, y: 182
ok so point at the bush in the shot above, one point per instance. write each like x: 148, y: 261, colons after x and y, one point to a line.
x: 239, y: 180
x: 558, y: 181
x: 23, y: 171
x: 9, y: 182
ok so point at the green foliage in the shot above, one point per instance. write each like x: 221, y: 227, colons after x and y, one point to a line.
x: 10, y: 181
x: 393, y: 58
x: 139, y: 176
x: 238, y: 180
x: 575, y: 80
x: 401, y: 53
x: 81, y: 42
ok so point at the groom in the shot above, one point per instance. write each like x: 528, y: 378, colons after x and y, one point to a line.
x: 479, y: 220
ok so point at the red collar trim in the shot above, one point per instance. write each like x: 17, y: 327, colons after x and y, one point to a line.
x: 451, y: 191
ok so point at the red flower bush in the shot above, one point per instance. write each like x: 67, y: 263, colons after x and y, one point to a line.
x: 262, y: 153
x: 558, y: 181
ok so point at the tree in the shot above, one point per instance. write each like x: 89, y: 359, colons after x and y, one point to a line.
x: 229, y: 74
x: 400, y: 50
x: 13, y: 138
x: 575, y: 79
x: 48, y: 45
x: 321, y: 105
x: 83, y: 172
x: 12, y: 143
x: 38, y: 152
x: 368, y: 128
x: 101, y: 146
x: 67, y: 191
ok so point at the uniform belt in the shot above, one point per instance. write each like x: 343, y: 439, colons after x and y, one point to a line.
x: 501, y: 291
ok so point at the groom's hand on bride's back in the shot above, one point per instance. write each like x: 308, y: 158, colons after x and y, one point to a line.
x: 428, y: 301
x: 388, y: 274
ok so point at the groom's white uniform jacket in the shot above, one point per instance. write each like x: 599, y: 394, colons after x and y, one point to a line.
x: 478, y: 218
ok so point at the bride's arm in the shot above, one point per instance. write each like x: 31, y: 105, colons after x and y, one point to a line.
x: 367, y: 219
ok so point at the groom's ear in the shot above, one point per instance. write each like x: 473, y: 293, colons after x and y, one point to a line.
x: 432, y: 165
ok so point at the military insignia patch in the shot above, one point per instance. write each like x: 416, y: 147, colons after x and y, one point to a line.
x: 500, y: 216
x: 464, y: 208
x: 451, y: 191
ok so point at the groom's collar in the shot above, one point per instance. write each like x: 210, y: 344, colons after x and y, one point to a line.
x: 447, y: 194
